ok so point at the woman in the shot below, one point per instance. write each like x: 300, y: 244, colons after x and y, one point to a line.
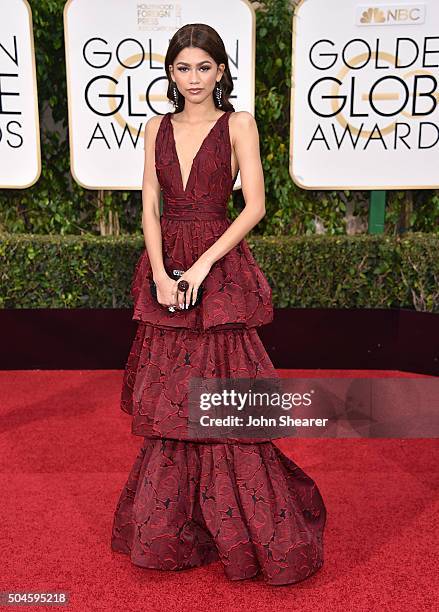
x: 187, y: 503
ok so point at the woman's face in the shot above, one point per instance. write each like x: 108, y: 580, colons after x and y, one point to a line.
x: 194, y: 69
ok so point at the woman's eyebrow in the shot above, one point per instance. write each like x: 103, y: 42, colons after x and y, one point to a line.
x: 199, y: 63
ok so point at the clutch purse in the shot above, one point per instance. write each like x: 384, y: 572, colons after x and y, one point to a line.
x: 175, y: 274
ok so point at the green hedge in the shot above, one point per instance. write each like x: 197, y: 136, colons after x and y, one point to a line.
x: 57, y: 205
x: 307, y: 271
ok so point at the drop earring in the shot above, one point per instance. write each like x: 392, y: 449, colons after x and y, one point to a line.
x: 218, y: 94
x: 175, y: 94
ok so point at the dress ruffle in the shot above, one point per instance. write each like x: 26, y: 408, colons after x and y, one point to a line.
x: 236, y: 290
x: 186, y: 504
x: 161, y: 362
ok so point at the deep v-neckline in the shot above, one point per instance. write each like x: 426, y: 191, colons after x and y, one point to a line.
x: 174, y: 144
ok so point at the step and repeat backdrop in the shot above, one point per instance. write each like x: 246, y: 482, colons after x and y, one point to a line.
x: 364, y: 88
x: 364, y: 96
x: 20, y: 153
x: 115, y: 52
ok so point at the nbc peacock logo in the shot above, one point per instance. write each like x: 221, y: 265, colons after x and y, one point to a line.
x: 373, y: 15
x: 390, y: 14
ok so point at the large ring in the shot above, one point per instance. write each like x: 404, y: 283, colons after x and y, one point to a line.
x: 171, y: 308
x: 183, y: 285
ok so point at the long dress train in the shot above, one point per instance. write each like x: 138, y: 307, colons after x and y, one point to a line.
x: 187, y: 503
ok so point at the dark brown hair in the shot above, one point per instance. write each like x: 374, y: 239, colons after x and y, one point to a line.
x: 204, y: 37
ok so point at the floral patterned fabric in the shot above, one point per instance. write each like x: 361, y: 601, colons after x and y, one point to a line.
x: 187, y: 503
x: 161, y: 363
x: 236, y: 290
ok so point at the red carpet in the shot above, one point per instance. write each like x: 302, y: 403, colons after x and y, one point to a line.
x: 66, y: 453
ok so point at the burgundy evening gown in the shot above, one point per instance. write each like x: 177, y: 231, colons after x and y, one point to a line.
x: 187, y: 503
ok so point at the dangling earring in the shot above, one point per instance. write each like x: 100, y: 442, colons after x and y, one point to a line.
x: 175, y: 94
x: 218, y: 93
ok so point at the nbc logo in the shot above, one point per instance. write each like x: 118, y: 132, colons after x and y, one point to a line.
x: 391, y: 14
x: 375, y: 15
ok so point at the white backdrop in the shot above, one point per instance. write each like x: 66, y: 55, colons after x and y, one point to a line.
x: 20, y: 155
x: 116, y: 80
x: 365, y: 93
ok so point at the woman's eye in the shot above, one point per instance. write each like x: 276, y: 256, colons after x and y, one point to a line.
x: 203, y: 68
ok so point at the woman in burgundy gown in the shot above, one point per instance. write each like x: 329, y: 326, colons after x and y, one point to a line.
x: 187, y: 503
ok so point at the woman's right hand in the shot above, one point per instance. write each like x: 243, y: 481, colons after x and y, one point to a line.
x: 166, y: 290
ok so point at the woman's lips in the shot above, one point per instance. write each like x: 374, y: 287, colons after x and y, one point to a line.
x: 194, y: 91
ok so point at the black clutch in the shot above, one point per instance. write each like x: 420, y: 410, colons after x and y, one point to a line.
x: 176, y: 275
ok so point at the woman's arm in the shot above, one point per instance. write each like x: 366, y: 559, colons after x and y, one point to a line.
x: 245, y: 140
x: 151, y: 201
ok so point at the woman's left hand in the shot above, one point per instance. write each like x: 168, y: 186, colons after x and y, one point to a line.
x: 194, y: 276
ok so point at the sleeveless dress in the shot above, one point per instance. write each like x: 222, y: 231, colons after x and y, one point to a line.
x: 187, y: 503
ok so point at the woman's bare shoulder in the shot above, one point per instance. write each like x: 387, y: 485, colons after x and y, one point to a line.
x: 153, y: 123
x: 242, y: 119
x: 152, y: 127
x: 242, y: 124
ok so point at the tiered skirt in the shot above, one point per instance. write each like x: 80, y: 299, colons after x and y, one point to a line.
x: 188, y: 503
